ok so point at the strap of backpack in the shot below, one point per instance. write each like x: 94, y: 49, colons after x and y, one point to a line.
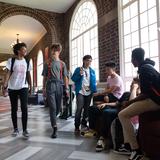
x: 61, y: 70
x: 12, y: 64
x: 49, y: 69
x: 27, y: 61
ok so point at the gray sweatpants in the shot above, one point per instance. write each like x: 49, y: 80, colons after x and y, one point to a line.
x: 54, y: 91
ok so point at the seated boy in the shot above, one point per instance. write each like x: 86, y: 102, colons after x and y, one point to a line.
x: 114, y: 89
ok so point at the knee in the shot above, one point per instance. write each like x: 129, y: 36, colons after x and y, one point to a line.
x: 123, y: 115
x: 106, y: 99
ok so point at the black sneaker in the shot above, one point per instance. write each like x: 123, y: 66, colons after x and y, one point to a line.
x: 100, y: 145
x: 15, y: 133
x: 25, y: 134
x: 123, y: 150
x: 54, y: 134
x: 136, y: 156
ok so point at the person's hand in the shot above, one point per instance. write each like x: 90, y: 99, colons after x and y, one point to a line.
x: 81, y: 71
x: 30, y: 90
x: 101, y: 106
x: 125, y: 104
x: 95, y: 94
x: 134, y: 86
x: 4, y: 90
x: 44, y: 92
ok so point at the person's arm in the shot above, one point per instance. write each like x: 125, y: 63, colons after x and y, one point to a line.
x: 5, y: 85
x: 44, y: 85
x: 138, y: 98
x: 107, y: 90
x: 29, y: 81
x: 112, y: 104
x: 76, y: 75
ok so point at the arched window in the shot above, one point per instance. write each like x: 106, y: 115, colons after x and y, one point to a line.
x: 31, y: 62
x: 39, y: 70
x: 84, y: 35
x: 139, y: 21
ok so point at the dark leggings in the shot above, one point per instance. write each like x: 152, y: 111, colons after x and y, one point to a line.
x: 23, y: 95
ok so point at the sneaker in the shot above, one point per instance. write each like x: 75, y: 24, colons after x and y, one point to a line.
x: 123, y: 150
x: 84, y: 128
x: 54, y: 134
x: 25, y: 134
x: 136, y: 156
x: 100, y: 145
x: 15, y: 133
x: 90, y: 133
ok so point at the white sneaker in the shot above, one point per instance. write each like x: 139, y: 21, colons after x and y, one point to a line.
x: 100, y: 145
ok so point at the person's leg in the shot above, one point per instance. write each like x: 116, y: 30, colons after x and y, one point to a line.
x: 13, y: 95
x: 125, y: 119
x: 108, y: 115
x: 87, y: 102
x: 80, y: 104
x: 23, y: 95
x: 98, y: 99
x: 93, y: 115
x: 59, y: 96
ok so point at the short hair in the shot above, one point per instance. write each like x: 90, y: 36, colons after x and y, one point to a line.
x: 111, y: 65
x: 56, y: 47
x: 87, y: 57
x: 18, y: 46
x: 138, y: 54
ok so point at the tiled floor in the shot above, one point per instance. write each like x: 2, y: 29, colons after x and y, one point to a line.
x: 40, y: 146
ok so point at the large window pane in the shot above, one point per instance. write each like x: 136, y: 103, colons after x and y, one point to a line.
x: 144, y: 35
x: 127, y: 41
x: 135, y: 39
x: 125, y: 2
x: 127, y: 27
x: 126, y: 14
x: 153, y: 33
x: 145, y: 46
x: 139, y: 29
x: 134, y: 24
x: 85, y: 40
x: 127, y: 55
x: 152, y: 15
x: 154, y: 48
x: 128, y: 69
x: 144, y: 19
x: 134, y: 9
x: 143, y: 5
x: 151, y: 3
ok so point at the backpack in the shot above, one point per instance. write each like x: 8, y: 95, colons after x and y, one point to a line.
x: 12, y: 64
x: 117, y: 134
x: 151, y: 77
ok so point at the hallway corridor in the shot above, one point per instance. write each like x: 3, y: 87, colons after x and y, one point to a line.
x: 40, y: 146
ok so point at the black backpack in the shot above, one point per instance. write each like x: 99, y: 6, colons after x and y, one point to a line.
x: 117, y: 134
x: 12, y: 64
x: 150, y: 81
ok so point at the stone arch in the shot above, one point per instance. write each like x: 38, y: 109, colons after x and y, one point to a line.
x: 39, y: 16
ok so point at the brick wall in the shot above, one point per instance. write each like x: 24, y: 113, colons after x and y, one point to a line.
x: 107, y: 31
x: 53, y: 23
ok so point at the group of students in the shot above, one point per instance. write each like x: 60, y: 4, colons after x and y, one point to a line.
x: 55, y: 76
x: 144, y: 96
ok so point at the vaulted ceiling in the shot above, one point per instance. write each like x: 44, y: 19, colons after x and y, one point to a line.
x: 59, y: 6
